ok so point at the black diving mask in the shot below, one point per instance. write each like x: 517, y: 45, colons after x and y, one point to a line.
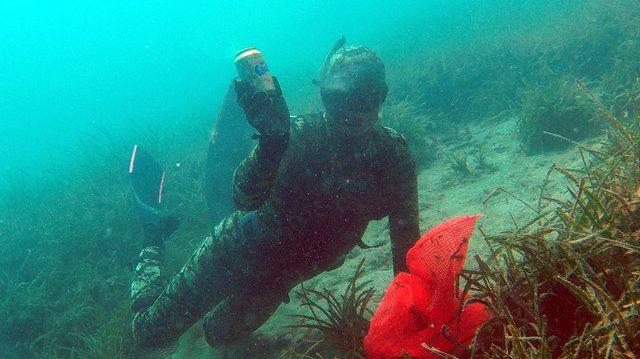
x: 343, y: 97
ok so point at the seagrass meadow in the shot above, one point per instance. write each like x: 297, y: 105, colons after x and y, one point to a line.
x: 565, y: 284
x: 528, y: 113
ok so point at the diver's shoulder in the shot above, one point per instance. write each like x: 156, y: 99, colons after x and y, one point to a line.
x: 392, y: 144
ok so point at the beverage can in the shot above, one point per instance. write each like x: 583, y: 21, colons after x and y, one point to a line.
x: 252, y: 68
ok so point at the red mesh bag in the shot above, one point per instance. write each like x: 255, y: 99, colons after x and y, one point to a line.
x: 417, y: 305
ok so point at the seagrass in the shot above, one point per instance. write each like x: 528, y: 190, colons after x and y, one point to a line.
x: 567, y: 284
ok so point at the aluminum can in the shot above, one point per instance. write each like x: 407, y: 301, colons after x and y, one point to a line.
x: 252, y: 68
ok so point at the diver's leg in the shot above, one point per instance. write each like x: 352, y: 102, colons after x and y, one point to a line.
x: 147, y: 283
x: 239, y: 257
x: 242, y: 313
x: 239, y: 315
x: 203, y: 281
x: 264, y: 283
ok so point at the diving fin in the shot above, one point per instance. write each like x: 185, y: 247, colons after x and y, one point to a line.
x: 147, y: 182
x: 231, y: 141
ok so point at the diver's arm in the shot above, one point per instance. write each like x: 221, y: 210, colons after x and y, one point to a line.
x: 253, y: 179
x: 269, y: 114
x: 404, y: 212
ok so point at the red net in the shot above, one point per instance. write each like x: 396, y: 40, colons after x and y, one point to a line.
x: 421, y: 306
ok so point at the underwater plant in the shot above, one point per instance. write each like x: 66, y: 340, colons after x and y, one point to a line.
x: 482, y: 161
x: 343, y: 320
x: 66, y: 269
x: 566, y: 284
x: 479, y: 79
x: 460, y: 164
x: 82, y: 220
x: 558, y: 107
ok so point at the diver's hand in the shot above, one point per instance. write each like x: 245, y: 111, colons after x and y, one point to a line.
x: 267, y: 112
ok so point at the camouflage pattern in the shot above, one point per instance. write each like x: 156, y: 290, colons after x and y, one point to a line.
x: 300, y: 214
x: 355, y: 61
x: 147, y: 283
x: 328, y: 188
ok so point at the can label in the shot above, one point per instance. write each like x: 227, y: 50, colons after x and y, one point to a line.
x: 252, y: 68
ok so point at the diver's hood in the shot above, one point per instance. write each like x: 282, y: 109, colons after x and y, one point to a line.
x: 354, y: 78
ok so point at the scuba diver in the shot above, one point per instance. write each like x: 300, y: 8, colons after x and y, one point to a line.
x: 304, y: 197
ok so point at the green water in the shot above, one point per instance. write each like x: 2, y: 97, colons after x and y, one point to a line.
x: 80, y: 82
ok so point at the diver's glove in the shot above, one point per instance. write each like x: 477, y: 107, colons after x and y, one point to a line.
x: 266, y: 112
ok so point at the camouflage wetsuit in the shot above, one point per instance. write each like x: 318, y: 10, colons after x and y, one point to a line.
x: 303, y: 202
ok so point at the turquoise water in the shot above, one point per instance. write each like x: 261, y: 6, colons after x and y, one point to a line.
x: 81, y: 82
x: 69, y: 67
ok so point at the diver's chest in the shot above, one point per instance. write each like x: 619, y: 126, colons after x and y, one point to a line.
x: 350, y: 186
